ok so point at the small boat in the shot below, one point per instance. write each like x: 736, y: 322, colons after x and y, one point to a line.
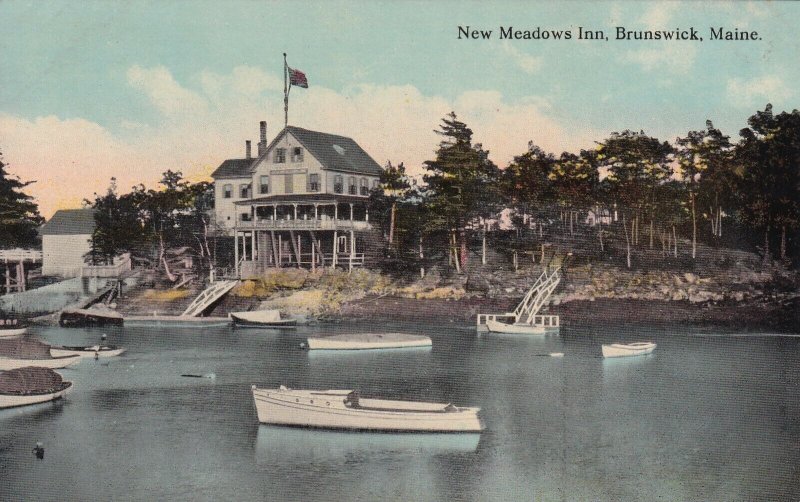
x: 520, y: 328
x: 31, y: 385
x: 12, y: 327
x: 345, y: 409
x: 362, y: 341
x: 20, y: 352
x: 87, y: 351
x: 261, y: 319
x: 629, y: 349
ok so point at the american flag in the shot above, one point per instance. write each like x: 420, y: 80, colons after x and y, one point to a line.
x: 297, y: 78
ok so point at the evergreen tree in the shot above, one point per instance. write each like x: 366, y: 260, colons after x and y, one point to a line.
x: 19, y: 215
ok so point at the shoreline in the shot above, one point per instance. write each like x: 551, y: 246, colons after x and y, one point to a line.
x: 749, y: 316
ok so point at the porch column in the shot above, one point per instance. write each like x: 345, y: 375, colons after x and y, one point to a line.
x: 351, y: 212
x: 335, y: 211
x: 334, y: 259
x: 253, y: 245
x: 315, y: 211
x: 236, y: 253
x: 352, y: 245
x: 366, y: 214
x: 295, y: 211
x: 275, y: 212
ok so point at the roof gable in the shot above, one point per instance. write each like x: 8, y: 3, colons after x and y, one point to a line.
x: 336, y: 153
x: 70, y: 222
x: 233, y: 168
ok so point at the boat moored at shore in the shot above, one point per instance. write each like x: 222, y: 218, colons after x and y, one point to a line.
x: 261, y: 319
x: 87, y: 351
x: 345, y: 409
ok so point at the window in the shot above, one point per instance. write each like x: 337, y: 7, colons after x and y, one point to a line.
x: 227, y: 191
x: 351, y: 183
x: 287, y: 185
x: 375, y: 184
x: 264, y: 184
x: 245, y: 217
x: 364, y: 186
x: 280, y: 155
x: 244, y: 191
x: 313, y: 182
x: 297, y: 154
x: 338, y: 184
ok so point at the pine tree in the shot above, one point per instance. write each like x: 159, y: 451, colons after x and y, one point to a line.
x: 19, y: 215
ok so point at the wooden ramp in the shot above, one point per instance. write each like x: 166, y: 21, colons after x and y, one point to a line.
x: 527, y: 312
x: 207, y: 298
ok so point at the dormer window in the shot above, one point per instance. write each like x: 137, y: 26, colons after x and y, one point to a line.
x: 338, y: 149
x: 297, y: 154
x: 280, y: 156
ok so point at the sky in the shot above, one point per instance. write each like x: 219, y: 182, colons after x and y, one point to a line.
x: 98, y: 89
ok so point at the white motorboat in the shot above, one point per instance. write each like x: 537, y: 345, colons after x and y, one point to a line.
x: 345, y: 409
x: 520, y: 328
x: 365, y: 341
x: 261, y: 319
x: 87, y: 351
x: 628, y: 349
x: 31, y: 385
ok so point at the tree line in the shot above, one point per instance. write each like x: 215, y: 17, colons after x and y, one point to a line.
x: 641, y: 192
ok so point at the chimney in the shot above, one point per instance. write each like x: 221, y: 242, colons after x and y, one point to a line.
x: 247, y: 149
x: 262, y: 145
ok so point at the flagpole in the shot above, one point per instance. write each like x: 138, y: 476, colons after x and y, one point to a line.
x: 285, y: 93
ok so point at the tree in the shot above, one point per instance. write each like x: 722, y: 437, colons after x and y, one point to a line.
x: 462, y: 183
x: 395, y: 185
x: 636, y: 164
x: 769, y: 154
x: 702, y: 152
x: 19, y: 215
x: 526, y: 183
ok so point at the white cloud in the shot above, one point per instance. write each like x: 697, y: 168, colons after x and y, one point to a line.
x: 670, y: 57
x: 164, y: 92
x: 757, y: 91
x: 659, y: 15
x: 74, y: 158
x: 529, y: 64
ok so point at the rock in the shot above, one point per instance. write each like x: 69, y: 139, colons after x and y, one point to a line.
x: 678, y: 281
x: 679, y: 295
x: 479, y: 283
x: 690, y: 277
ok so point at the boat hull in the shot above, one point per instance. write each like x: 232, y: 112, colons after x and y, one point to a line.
x: 327, y: 410
x: 12, y: 332
x: 521, y: 329
x: 368, y: 341
x: 629, y: 350
x: 15, y: 400
x: 7, y: 363
x: 86, y: 351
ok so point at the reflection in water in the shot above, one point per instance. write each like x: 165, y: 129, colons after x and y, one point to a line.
x: 291, y: 444
x: 33, y: 411
x: 317, y: 353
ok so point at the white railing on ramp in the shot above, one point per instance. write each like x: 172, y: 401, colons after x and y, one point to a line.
x: 210, y: 295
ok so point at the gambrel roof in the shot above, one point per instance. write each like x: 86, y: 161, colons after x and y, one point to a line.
x: 336, y: 153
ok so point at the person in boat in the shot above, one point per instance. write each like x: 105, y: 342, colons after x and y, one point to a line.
x: 351, y: 400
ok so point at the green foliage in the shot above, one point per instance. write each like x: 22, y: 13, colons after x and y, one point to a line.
x: 19, y: 215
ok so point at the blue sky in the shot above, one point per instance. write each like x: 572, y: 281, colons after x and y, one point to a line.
x: 90, y: 90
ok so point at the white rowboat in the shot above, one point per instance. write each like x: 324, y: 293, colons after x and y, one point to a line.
x: 629, y: 349
x: 344, y: 409
x: 362, y: 341
x: 522, y: 329
x: 261, y: 319
x: 89, y: 351
x: 8, y: 363
x: 14, y: 400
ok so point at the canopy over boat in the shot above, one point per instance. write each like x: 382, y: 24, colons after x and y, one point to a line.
x: 29, y: 379
x: 345, y: 409
x: 24, y: 348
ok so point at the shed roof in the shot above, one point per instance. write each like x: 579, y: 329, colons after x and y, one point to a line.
x: 70, y: 222
x: 233, y: 168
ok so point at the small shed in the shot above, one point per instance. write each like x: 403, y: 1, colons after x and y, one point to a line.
x: 65, y: 240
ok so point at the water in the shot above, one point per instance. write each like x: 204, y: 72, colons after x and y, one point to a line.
x: 704, y: 418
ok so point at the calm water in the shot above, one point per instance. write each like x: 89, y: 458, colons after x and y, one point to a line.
x: 705, y: 417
